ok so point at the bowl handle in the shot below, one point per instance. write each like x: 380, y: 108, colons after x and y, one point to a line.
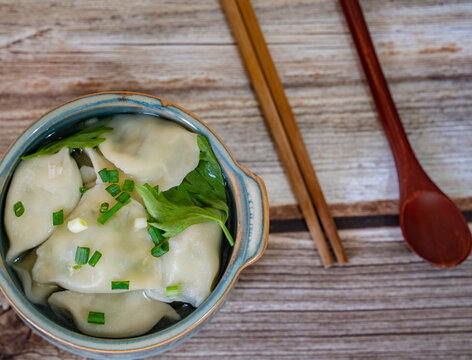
x: 257, y: 218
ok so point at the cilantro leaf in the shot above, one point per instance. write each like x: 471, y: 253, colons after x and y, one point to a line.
x: 201, y: 197
x: 88, y: 137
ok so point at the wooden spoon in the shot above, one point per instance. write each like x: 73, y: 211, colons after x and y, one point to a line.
x: 432, y: 225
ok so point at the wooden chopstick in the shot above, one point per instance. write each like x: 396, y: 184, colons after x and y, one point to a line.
x: 277, y: 129
x: 291, y: 128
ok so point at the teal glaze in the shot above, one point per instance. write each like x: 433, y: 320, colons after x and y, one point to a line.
x: 249, y: 221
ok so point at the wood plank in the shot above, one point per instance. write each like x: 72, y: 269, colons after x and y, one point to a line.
x: 385, y: 303
x: 318, y: 67
x: 361, y: 208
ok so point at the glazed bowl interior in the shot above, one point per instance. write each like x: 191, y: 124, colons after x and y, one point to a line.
x: 63, y: 121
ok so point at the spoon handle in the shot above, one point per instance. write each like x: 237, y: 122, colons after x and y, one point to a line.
x: 405, y: 160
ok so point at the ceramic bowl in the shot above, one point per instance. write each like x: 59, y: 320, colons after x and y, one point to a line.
x: 249, y: 224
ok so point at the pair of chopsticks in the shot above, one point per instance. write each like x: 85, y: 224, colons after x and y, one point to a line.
x: 285, y: 132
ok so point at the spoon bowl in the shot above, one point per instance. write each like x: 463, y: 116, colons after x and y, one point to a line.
x: 434, y: 228
x: 432, y: 225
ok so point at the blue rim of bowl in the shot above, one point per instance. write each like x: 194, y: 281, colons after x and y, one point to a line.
x: 236, y: 264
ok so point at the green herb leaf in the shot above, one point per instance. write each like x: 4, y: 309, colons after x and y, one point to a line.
x: 120, y: 285
x: 18, y: 209
x: 86, y: 138
x: 154, y: 192
x: 82, y: 190
x: 58, y: 217
x: 82, y: 255
x: 96, y: 318
x: 201, y: 197
x: 94, y: 259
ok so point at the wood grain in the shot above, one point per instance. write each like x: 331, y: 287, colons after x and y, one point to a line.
x: 433, y: 226
x: 389, y: 304
x: 279, y: 133
x: 386, y: 304
x: 291, y: 128
x: 157, y: 49
x: 361, y: 208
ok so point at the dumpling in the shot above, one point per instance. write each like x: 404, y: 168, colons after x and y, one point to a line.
x: 151, y: 149
x: 126, y: 250
x: 192, y: 264
x: 126, y: 314
x: 99, y: 163
x: 44, y: 185
x: 88, y: 175
x: 35, y: 292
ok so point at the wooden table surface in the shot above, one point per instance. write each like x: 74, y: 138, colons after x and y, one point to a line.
x: 387, y: 303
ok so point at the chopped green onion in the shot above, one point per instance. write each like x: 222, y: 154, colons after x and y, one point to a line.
x: 156, y: 235
x: 160, y: 249
x: 140, y: 223
x: 82, y: 255
x: 96, y: 318
x: 110, y: 176
x: 102, y: 219
x: 58, y: 217
x: 128, y: 185
x: 156, y: 189
x: 103, y: 175
x: 77, y: 225
x: 82, y: 190
x: 104, y: 207
x: 172, y: 291
x: 76, y: 267
x: 123, y: 197
x: 94, y: 259
x: 120, y: 285
x: 19, y: 209
x: 113, y: 189
x: 113, y: 176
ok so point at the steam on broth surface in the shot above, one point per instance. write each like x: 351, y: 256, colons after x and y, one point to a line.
x: 145, y: 231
